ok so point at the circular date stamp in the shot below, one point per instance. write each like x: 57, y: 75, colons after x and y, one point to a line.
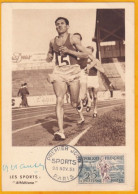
x: 63, y: 163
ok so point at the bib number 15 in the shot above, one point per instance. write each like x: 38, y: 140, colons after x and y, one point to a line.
x: 63, y: 60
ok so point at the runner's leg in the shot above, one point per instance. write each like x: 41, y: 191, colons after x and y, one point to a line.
x: 89, y: 96
x: 95, y: 90
x: 83, y: 90
x: 81, y: 114
x: 74, y: 88
x: 60, y: 89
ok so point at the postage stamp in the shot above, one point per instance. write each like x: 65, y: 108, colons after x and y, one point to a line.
x: 102, y: 169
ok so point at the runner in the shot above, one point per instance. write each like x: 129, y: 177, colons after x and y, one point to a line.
x: 93, y: 82
x: 67, y: 70
x: 83, y: 78
x: 92, y: 67
x: 104, y: 167
x: 83, y: 84
x: 83, y: 62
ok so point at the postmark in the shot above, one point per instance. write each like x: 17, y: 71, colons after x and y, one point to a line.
x: 63, y: 163
x: 102, y: 169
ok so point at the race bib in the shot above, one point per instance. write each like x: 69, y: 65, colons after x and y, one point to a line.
x: 63, y: 60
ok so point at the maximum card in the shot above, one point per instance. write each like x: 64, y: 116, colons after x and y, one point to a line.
x: 68, y: 97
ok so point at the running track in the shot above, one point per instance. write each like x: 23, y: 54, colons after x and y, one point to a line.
x: 35, y: 126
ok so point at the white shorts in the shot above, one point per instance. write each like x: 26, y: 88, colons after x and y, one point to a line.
x: 92, y: 82
x: 66, y: 73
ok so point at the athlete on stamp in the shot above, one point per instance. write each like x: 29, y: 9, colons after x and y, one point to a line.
x: 102, y: 169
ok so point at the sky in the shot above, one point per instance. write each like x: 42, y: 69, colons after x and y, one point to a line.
x: 33, y: 29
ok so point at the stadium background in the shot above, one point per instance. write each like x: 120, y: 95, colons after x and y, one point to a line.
x: 29, y: 65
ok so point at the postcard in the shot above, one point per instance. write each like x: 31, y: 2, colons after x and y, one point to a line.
x: 68, y: 97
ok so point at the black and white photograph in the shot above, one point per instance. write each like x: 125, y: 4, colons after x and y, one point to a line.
x: 68, y: 77
x: 68, y: 96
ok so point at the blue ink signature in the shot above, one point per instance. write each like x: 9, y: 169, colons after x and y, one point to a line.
x: 11, y: 167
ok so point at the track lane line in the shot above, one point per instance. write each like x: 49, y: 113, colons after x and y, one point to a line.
x: 66, y: 104
x: 32, y: 117
x: 37, y: 107
x: 39, y: 112
x: 70, y: 108
x: 37, y: 116
x: 31, y: 113
x: 32, y: 107
x: 25, y: 113
x: 21, y: 129
x: 18, y: 130
x: 76, y: 139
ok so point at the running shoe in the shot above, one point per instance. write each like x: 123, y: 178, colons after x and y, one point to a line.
x: 88, y: 108
x: 79, y: 107
x: 80, y: 122
x: 94, y: 115
x: 59, y: 136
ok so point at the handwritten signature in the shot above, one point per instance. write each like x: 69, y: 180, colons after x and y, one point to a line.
x: 22, y: 166
x: 18, y: 57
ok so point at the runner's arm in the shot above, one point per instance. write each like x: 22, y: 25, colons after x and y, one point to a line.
x: 71, y: 52
x: 95, y: 63
x: 50, y: 53
x: 99, y: 66
x: 83, y: 52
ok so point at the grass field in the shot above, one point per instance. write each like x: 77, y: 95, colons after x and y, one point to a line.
x: 108, y: 129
